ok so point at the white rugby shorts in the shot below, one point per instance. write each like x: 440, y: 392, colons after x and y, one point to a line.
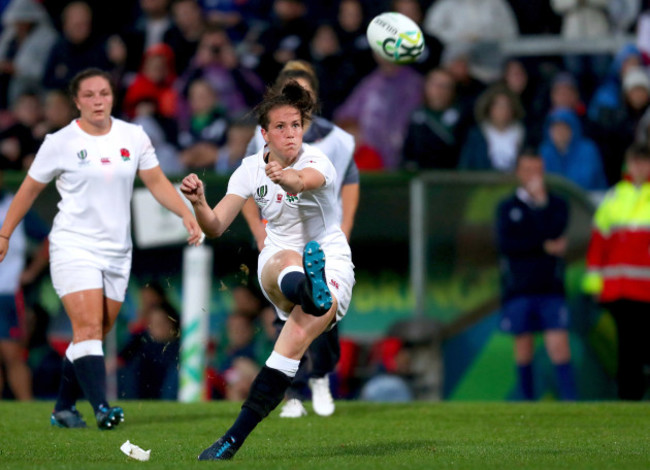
x: 339, y: 272
x: 76, y: 270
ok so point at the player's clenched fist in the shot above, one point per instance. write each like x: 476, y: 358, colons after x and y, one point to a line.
x: 192, y: 188
x: 275, y: 172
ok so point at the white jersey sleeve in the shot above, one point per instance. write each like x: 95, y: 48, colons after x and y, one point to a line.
x: 148, y: 157
x: 320, y: 163
x: 46, y: 164
x: 240, y: 182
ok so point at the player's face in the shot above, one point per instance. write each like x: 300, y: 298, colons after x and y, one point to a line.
x: 94, y: 101
x: 284, y: 134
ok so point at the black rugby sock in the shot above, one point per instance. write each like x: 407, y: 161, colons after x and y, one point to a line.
x: 293, y: 286
x: 267, y: 391
x: 69, y: 388
x: 91, y: 373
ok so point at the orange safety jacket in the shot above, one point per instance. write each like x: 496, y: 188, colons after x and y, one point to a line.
x: 618, y: 259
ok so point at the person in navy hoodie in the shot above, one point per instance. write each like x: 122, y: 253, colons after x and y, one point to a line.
x: 567, y: 152
x: 531, y: 234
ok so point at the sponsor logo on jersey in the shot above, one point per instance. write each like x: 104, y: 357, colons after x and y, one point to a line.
x: 260, y: 194
x: 278, y: 198
x: 125, y: 154
x: 106, y: 161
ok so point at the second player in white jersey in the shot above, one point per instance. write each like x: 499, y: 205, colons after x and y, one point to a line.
x: 94, y: 176
x: 94, y: 161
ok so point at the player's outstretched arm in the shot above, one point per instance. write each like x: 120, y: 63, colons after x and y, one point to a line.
x: 165, y: 193
x: 21, y: 203
x: 215, y: 221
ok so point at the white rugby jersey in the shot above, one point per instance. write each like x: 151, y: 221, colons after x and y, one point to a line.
x: 294, y: 219
x: 333, y: 141
x: 94, y: 176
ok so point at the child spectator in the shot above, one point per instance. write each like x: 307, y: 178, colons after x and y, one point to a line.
x: 567, y: 152
x: 154, y: 82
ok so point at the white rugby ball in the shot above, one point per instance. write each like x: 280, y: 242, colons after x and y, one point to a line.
x: 395, y: 37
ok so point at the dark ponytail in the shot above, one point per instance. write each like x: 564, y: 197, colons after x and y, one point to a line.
x: 288, y: 94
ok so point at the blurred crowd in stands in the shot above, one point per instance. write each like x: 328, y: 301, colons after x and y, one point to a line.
x: 190, y: 71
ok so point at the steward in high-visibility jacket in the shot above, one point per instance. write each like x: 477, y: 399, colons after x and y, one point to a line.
x: 618, y: 259
x: 618, y: 268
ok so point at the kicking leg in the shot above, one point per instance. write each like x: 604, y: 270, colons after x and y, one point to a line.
x: 269, y: 387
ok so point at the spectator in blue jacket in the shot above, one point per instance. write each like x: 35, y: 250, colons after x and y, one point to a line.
x: 531, y: 234
x: 608, y: 93
x: 567, y: 152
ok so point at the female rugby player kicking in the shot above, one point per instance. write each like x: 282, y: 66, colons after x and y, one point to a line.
x: 294, y: 186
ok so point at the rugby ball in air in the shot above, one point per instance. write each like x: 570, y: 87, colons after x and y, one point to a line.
x: 395, y: 38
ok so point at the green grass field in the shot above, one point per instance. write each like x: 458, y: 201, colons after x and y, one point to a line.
x: 359, y: 436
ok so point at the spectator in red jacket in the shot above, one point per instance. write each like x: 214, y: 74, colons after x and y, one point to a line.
x: 154, y: 82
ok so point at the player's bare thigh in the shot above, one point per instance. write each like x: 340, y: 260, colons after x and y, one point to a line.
x: 92, y: 315
x: 272, y: 270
